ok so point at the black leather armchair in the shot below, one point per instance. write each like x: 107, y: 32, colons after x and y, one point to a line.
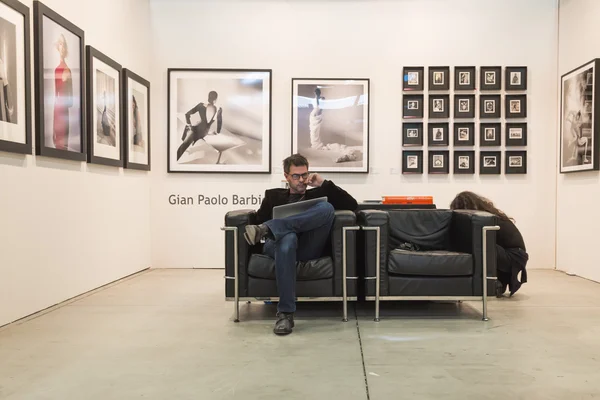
x: 429, y: 255
x: 250, y: 275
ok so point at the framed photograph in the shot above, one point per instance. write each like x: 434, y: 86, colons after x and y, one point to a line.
x: 516, y: 106
x: 413, y: 78
x: 330, y: 123
x: 439, y: 106
x: 490, y: 162
x: 439, y: 162
x: 412, y: 161
x: 412, y: 134
x: 464, y: 134
x: 489, y: 106
x: 136, y: 121
x: 490, y: 78
x: 516, y: 134
x: 105, y: 133
x: 490, y: 134
x: 464, y: 78
x: 439, y: 78
x: 412, y: 106
x: 438, y: 134
x: 515, y: 162
x: 464, y: 162
x: 464, y: 106
x: 219, y: 120
x: 515, y: 78
x: 60, y: 86
x: 15, y: 78
x: 579, y: 130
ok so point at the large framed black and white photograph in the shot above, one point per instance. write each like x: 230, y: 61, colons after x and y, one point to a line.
x: 219, y: 120
x: 438, y: 134
x: 464, y: 106
x: 515, y: 162
x: 60, y: 86
x: 464, y: 162
x: 105, y: 133
x: 413, y: 78
x: 464, y: 134
x: 412, y: 134
x: 464, y: 78
x: 136, y: 121
x: 439, y: 78
x: 412, y: 161
x: 439, y: 106
x: 490, y: 78
x: 516, y: 134
x: 15, y: 78
x: 439, y: 162
x: 412, y: 106
x: 489, y: 106
x: 490, y: 162
x: 330, y: 123
x: 579, y: 130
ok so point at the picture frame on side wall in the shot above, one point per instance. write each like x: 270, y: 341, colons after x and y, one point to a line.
x: 330, y: 123
x: 219, y: 120
x: 15, y: 78
x: 579, y: 130
x: 136, y: 121
x: 60, y: 87
x: 413, y: 78
x: 104, y: 116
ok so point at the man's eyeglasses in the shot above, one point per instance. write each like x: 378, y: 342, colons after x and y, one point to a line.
x: 298, y: 176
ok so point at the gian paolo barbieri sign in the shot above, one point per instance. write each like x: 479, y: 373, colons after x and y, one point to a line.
x: 218, y: 200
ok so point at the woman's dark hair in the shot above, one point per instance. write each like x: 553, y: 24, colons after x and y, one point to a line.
x: 296, y: 160
x: 470, y: 201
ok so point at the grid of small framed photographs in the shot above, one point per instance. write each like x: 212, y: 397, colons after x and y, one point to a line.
x: 451, y: 112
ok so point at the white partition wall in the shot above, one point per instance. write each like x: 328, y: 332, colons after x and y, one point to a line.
x: 352, y: 39
x: 578, y: 194
x: 68, y: 227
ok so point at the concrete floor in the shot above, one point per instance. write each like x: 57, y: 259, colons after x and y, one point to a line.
x: 168, y: 334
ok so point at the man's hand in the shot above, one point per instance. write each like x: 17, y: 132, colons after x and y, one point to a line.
x: 315, y: 180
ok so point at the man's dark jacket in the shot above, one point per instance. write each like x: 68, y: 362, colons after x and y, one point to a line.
x: 339, y: 199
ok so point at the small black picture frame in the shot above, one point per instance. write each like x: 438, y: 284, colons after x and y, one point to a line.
x: 14, y: 118
x: 464, y: 162
x: 515, y: 134
x: 412, y: 134
x: 413, y: 78
x: 439, y: 162
x: 464, y: 106
x: 134, y: 123
x: 490, y: 135
x: 412, y: 106
x: 490, y: 78
x: 439, y: 106
x: 437, y: 134
x: 489, y: 106
x: 464, y: 78
x: 516, y: 106
x: 515, y: 162
x: 104, y: 118
x: 464, y: 134
x: 412, y: 161
x: 515, y: 79
x: 68, y: 135
x: 490, y: 162
x: 439, y: 78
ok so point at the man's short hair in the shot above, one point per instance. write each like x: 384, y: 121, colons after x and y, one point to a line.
x: 296, y: 160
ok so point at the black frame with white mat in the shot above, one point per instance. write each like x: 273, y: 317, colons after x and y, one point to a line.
x: 433, y: 139
x: 413, y: 128
x: 484, y: 101
x: 461, y: 84
x: 515, y: 78
x: 459, y: 128
x: 442, y: 84
x: 412, y: 100
x: 410, y: 84
x: 435, y: 100
x: 511, y: 159
x: 415, y: 154
x: 461, y: 112
x: 490, y: 162
x: 490, y: 78
x: 464, y: 169
x: 515, y: 100
x: 439, y: 162
x: 515, y: 134
x: 484, y: 140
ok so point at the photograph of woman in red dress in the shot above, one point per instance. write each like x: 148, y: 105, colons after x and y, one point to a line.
x: 63, y: 97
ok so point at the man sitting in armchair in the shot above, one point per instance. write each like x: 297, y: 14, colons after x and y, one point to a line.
x: 300, y: 237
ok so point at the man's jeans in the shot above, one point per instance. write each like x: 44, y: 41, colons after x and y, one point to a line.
x: 300, y: 237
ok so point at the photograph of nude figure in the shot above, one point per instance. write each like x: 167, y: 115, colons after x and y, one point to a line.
x: 219, y: 120
x: 330, y: 123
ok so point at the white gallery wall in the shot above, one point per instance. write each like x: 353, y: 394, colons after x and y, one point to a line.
x: 353, y: 39
x: 578, y: 194
x: 68, y: 227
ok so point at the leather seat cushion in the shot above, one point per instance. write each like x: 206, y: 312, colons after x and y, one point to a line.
x: 430, y: 263
x: 262, y: 266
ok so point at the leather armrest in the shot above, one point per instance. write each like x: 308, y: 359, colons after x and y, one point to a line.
x: 239, y: 219
x: 373, y: 218
x: 466, y: 234
x: 343, y: 218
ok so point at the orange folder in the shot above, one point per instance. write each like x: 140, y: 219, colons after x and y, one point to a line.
x: 407, y: 200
